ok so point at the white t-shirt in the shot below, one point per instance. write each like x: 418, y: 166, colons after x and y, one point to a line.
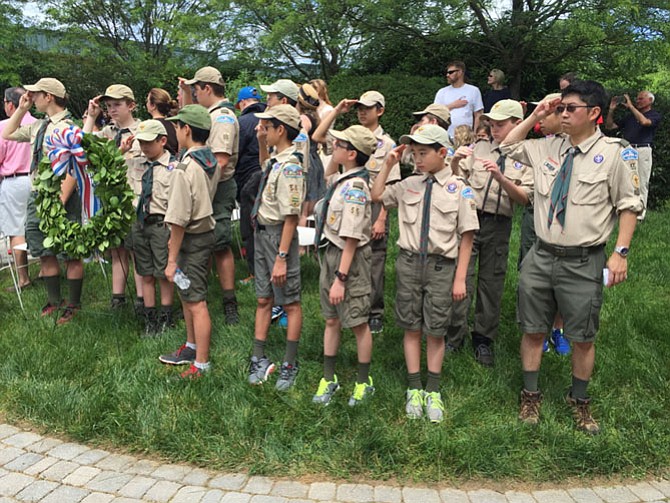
x: 462, y: 115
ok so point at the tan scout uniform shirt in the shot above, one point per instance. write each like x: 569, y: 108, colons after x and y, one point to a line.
x: 497, y: 201
x: 163, y: 176
x: 224, y: 137
x: 284, y: 190
x: 28, y: 133
x: 302, y: 143
x: 384, y: 145
x: 135, y: 159
x: 604, y: 182
x: 349, y: 212
x: 452, y: 212
x: 190, y: 199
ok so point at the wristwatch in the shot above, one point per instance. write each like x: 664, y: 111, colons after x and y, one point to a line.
x: 341, y: 276
x: 621, y: 250
x: 282, y: 255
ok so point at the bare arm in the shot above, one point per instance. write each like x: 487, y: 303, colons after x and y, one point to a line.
x: 464, y: 251
x: 618, y: 265
x: 321, y: 133
x: 174, y: 244
x: 14, y: 121
x: 336, y: 294
x: 521, y: 130
x: 377, y: 190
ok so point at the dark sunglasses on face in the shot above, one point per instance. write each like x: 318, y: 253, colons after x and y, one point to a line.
x: 571, y: 108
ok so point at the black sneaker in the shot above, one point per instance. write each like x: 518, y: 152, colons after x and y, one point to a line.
x: 183, y: 356
x: 151, y: 327
x: 484, y: 354
x: 165, y: 321
x: 230, y: 312
x: 376, y: 325
x: 118, y: 302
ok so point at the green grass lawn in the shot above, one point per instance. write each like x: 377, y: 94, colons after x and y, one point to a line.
x: 97, y: 382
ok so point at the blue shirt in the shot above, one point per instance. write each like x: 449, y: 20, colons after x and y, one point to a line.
x: 635, y: 133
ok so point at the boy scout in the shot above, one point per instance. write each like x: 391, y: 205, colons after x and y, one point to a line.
x: 150, y: 234
x: 49, y: 97
x: 224, y: 138
x: 189, y: 213
x: 369, y: 109
x: 496, y: 183
x: 120, y: 103
x: 584, y: 183
x: 345, y: 219
x: 277, y: 261
x: 437, y: 220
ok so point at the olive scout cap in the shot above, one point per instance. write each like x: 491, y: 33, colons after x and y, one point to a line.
x: 195, y: 116
x: 47, y: 85
x: 360, y: 137
x: 118, y: 92
x: 206, y: 74
x: 505, y: 109
x: 548, y: 97
x: 285, y: 114
x: 441, y: 111
x: 150, y: 130
x: 428, y: 135
x: 283, y: 86
x: 372, y: 98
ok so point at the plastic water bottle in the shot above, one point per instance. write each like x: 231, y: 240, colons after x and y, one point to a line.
x: 181, y: 280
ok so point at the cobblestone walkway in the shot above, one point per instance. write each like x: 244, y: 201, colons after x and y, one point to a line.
x: 38, y: 468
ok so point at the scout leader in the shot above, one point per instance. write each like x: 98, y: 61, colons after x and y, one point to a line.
x: 49, y: 97
x: 497, y: 182
x: 345, y: 217
x: 190, y: 215
x: 437, y: 220
x: 119, y: 101
x: 584, y: 183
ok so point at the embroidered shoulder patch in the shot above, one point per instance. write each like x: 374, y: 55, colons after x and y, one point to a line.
x: 517, y: 165
x: 467, y: 193
x: 451, y: 188
x: 292, y: 171
x: 301, y: 138
x: 225, y: 119
x: 355, y: 196
x: 629, y: 154
x: 450, y: 152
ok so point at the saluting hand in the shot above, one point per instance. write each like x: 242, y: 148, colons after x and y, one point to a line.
x: 345, y: 105
x: 94, y: 109
x: 26, y: 101
x: 394, y: 156
x: 545, y: 108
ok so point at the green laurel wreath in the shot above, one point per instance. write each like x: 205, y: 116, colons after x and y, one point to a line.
x: 107, y: 228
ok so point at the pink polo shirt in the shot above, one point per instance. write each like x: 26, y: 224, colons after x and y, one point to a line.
x: 15, y: 157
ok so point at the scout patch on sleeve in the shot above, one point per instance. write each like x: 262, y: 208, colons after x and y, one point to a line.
x: 225, y: 119
x: 629, y: 154
x: 467, y: 193
x: 182, y: 166
x: 292, y: 171
x: 636, y: 180
x: 355, y: 196
x: 301, y: 138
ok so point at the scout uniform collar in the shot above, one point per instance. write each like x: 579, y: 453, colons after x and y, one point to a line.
x: 222, y: 104
x: 441, y: 177
x: 285, y: 154
x: 379, y: 132
x: 204, y: 157
x: 584, y: 146
x: 60, y: 116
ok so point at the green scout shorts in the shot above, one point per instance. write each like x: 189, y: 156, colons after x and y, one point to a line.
x: 193, y: 260
x: 423, y: 296
x: 571, y: 285
x: 223, y: 206
x: 151, y: 248
x: 267, y: 239
x: 355, y: 309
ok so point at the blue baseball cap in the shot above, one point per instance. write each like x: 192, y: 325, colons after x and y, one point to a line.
x: 246, y: 93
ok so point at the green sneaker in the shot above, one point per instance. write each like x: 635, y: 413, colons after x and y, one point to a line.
x: 434, y: 406
x: 414, y: 405
x: 362, y: 391
x: 326, y: 391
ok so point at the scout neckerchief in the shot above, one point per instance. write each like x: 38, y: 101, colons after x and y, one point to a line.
x: 263, y: 183
x: 559, y: 193
x: 425, y: 219
x: 206, y: 159
x: 38, y: 151
x: 119, y: 136
x: 320, y: 222
x: 147, y: 189
x: 223, y: 104
x: 501, y: 166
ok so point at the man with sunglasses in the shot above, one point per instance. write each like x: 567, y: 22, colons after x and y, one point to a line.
x: 464, y: 100
x: 584, y: 182
x: 638, y: 128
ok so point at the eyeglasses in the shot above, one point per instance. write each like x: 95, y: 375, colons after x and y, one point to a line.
x: 344, y: 145
x: 571, y: 108
x: 449, y: 72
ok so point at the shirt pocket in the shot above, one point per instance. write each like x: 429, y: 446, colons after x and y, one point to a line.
x: 478, y: 179
x: 411, y: 203
x: 590, y: 188
x: 544, y: 179
x: 334, y: 219
x: 445, y: 218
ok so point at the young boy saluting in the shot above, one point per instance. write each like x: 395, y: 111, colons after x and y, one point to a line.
x: 150, y: 234
x: 189, y: 214
x: 277, y: 261
x: 345, y: 282
x: 436, y: 212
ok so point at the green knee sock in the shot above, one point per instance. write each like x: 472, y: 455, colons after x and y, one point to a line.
x: 259, y: 348
x: 329, y: 367
x: 53, y: 289
x: 363, y: 372
x: 75, y: 286
x: 433, y: 382
x: 530, y: 378
x: 291, y: 352
x: 414, y: 380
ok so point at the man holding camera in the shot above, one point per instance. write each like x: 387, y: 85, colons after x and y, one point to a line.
x: 638, y: 128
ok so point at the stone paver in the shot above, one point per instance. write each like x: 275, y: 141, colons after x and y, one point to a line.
x: 37, y: 468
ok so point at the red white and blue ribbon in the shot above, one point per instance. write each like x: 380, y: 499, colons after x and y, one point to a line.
x: 67, y: 156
